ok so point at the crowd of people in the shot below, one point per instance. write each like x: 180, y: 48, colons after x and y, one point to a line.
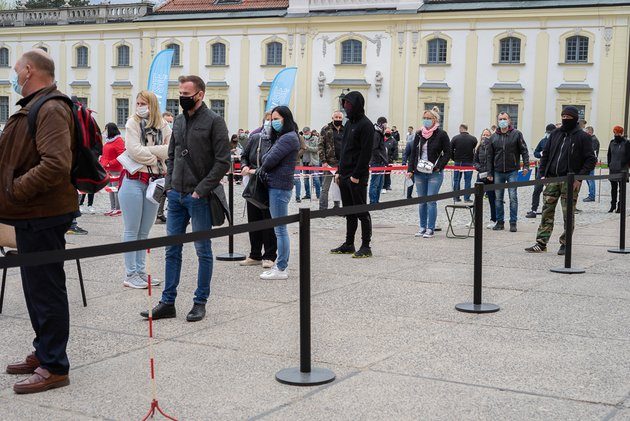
x: 192, y: 152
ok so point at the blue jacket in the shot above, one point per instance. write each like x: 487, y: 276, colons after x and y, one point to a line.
x: 541, y: 146
x: 279, y: 162
x: 407, y: 152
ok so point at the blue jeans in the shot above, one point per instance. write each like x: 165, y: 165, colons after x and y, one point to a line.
x: 428, y: 185
x: 297, y: 183
x: 376, y: 185
x: 506, y: 177
x: 316, y: 183
x: 457, y: 176
x: 591, y: 186
x: 182, y: 208
x: 279, y: 206
x: 138, y: 217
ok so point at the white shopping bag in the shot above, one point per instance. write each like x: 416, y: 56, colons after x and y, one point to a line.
x: 334, y: 192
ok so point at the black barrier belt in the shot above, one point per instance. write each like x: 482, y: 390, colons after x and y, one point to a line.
x: 516, y: 184
x: 54, y: 256
x: 611, y: 177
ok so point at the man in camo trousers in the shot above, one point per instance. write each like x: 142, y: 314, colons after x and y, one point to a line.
x: 569, y: 149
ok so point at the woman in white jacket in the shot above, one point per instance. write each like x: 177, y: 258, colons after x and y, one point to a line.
x: 147, y: 137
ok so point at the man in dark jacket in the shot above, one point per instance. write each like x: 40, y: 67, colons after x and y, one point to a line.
x: 329, y: 154
x: 354, y: 172
x: 506, y: 148
x: 538, y: 154
x: 569, y: 149
x: 38, y: 199
x: 591, y: 183
x: 391, y: 143
x: 462, y: 152
x: 378, y: 159
x: 198, y: 158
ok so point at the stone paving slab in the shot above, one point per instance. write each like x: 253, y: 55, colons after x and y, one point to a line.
x: 16, y: 409
x: 379, y: 396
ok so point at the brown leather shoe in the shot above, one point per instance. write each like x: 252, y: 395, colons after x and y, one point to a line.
x: 27, y: 366
x: 40, y: 381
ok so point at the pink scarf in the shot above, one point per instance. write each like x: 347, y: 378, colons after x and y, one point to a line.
x: 427, y: 133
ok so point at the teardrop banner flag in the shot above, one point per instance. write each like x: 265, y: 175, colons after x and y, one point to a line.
x: 281, y: 88
x: 158, y: 76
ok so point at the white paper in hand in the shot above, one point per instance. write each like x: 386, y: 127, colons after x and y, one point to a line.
x: 128, y: 163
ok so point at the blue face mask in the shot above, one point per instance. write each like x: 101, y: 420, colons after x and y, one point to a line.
x: 277, y: 125
x: 503, y: 124
x: 427, y: 122
x: 15, y: 84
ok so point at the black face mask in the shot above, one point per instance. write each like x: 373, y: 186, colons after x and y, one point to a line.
x: 569, y: 124
x: 337, y: 123
x: 187, y: 102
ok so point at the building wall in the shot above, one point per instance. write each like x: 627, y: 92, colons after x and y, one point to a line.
x: 393, y: 45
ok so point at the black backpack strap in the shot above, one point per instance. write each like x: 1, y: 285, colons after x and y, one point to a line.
x: 34, y: 110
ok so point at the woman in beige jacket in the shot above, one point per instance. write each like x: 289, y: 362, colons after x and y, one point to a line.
x: 147, y: 137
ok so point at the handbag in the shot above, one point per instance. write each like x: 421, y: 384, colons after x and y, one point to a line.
x: 425, y: 166
x: 255, y: 191
x: 155, y: 190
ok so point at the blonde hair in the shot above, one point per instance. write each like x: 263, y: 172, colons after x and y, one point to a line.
x: 481, y: 137
x: 435, y: 113
x: 155, y: 119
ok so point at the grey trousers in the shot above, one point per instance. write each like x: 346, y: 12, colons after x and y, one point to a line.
x: 323, y: 195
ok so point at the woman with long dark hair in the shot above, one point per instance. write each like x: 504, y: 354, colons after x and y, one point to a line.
x: 114, y: 146
x: 278, y: 166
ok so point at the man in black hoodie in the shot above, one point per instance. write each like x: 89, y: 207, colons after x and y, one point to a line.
x: 569, y: 149
x: 353, y: 173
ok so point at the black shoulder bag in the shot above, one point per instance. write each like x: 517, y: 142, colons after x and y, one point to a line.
x: 256, y: 191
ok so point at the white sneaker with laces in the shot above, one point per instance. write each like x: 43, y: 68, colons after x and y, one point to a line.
x: 491, y: 225
x: 275, y: 274
x: 135, y: 281
x: 420, y: 233
x: 91, y: 210
x: 428, y: 234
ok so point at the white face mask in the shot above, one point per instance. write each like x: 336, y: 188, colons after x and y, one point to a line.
x: 142, y: 111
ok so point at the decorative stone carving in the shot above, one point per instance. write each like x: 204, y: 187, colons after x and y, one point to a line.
x: 415, y: 37
x: 378, y: 83
x: 321, y: 83
x: 401, y: 42
x: 608, y: 36
x: 376, y: 41
x: 291, y: 40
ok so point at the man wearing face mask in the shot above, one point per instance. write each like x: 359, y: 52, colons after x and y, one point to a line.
x: 354, y: 173
x: 569, y: 149
x: 538, y: 154
x: 329, y: 152
x: 506, y: 147
x: 39, y: 200
x: 198, y: 158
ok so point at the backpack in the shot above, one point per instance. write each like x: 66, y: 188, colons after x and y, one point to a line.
x: 87, y: 175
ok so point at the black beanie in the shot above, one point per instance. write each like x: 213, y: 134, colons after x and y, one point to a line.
x: 550, y: 127
x: 571, y: 111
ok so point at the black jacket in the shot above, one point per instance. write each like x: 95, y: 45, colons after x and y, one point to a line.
x: 596, y: 145
x: 618, y: 155
x: 482, y: 156
x: 249, y: 157
x: 506, y: 150
x: 438, y: 150
x: 463, y: 147
x: 379, y: 150
x: 580, y: 154
x: 392, y: 149
x: 206, y: 137
x: 358, y: 138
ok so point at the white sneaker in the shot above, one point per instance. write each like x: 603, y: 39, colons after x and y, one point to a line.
x: 154, y: 281
x: 383, y: 191
x: 91, y: 210
x: 134, y: 281
x: 491, y: 225
x: 275, y: 274
x: 428, y: 234
x: 420, y: 233
x: 268, y: 264
x: 82, y: 209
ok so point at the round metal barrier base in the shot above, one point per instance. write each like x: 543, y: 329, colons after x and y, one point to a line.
x: 231, y: 257
x: 619, y: 251
x: 568, y: 271
x: 477, y: 308
x: 294, y: 377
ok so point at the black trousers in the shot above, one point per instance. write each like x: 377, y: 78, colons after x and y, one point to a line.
x: 614, y: 189
x: 387, y: 183
x: 46, y: 296
x: 259, y: 238
x: 351, y: 195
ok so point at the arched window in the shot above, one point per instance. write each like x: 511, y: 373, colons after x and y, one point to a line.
x: 510, y: 50
x: 218, y: 54
x: 123, y: 55
x: 176, y: 53
x: 577, y: 49
x: 437, y: 51
x: 82, y: 56
x: 351, y: 52
x: 274, y: 54
x: 4, y: 57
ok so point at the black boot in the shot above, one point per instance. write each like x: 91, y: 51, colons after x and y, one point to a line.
x: 613, y: 207
x: 198, y: 312
x: 343, y: 249
x: 161, y: 311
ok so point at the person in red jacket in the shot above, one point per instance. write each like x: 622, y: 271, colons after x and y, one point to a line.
x: 113, y: 147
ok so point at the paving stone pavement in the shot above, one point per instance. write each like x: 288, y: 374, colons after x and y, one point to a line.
x: 558, y: 349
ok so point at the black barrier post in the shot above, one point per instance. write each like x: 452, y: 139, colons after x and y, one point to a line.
x: 230, y: 256
x: 305, y: 375
x: 568, y: 229
x: 477, y: 306
x: 622, y: 214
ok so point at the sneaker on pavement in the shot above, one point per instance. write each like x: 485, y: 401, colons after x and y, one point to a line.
x: 108, y: 213
x: 588, y: 199
x: 117, y: 212
x: 76, y: 231
x: 536, y: 248
x: 135, y: 281
x: 491, y: 225
x: 530, y: 214
x: 267, y: 264
x: 274, y: 274
x: 161, y: 311
x: 250, y: 262
x: 513, y: 227
x: 428, y: 234
x: 91, y: 210
x: 82, y: 209
x: 420, y: 233
x: 154, y: 281
x: 562, y: 250
x: 363, y: 252
x: 499, y: 226
x: 343, y: 249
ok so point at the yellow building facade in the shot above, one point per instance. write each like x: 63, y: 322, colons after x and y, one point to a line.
x: 470, y: 59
